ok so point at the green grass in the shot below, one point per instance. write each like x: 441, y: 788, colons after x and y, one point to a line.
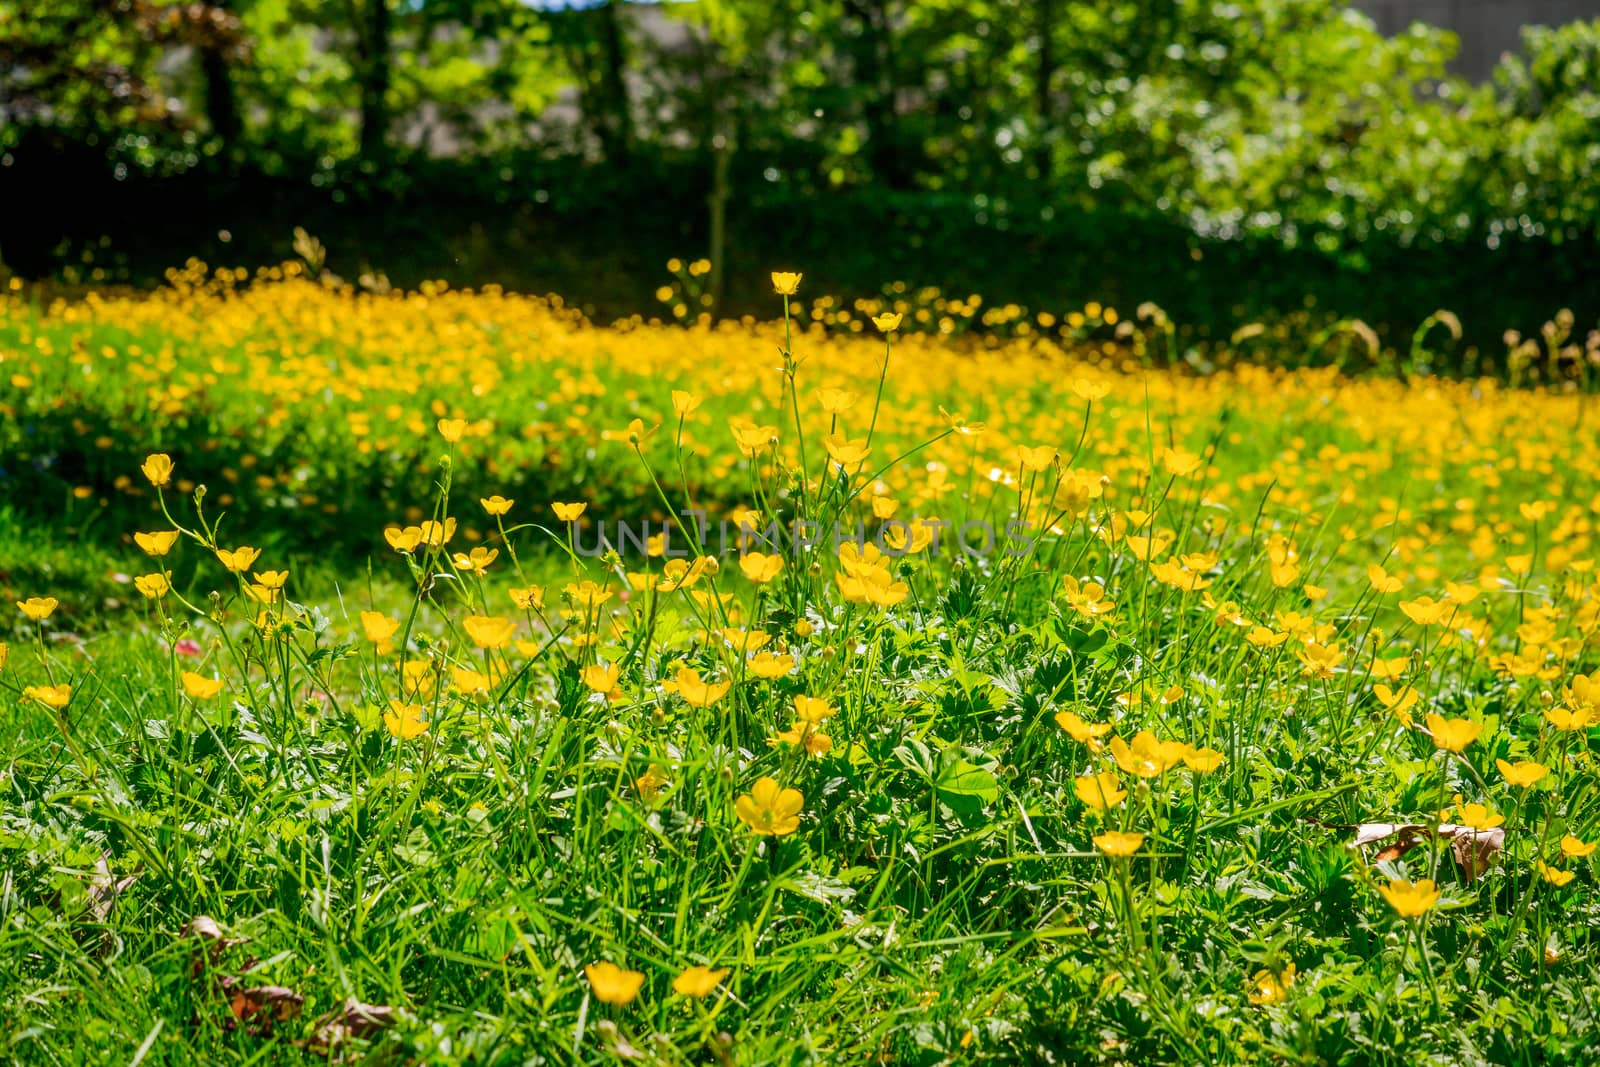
x: 942, y: 898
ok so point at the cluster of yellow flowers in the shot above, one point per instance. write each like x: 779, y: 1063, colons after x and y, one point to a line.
x: 1363, y: 546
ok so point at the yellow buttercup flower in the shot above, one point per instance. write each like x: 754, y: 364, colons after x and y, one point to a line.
x: 887, y: 322
x: 770, y: 665
x: 38, y: 608
x: 379, y: 628
x: 1452, y: 735
x: 451, y: 429
x: 403, y: 539
x: 238, y: 560
x: 158, y: 469
x: 1410, y: 899
x: 602, y: 678
x: 1201, y: 760
x: 786, y: 283
x: 697, y: 692
x: 1099, y: 792
x: 158, y: 543
x: 1523, y: 774
x: 612, y: 984
x: 51, y: 696
x: 760, y: 568
x: 489, y: 631
x: 1575, y: 847
x: 1146, y: 757
x: 199, y: 686
x: 1268, y: 987
x: 1117, y: 844
x: 496, y: 506
x: 569, y: 512
x: 684, y: 403
x: 1554, y: 875
x: 404, y: 720
x: 769, y: 809
x: 1085, y: 733
x: 698, y: 981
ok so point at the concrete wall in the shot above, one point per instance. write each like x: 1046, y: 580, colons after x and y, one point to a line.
x: 1487, y: 28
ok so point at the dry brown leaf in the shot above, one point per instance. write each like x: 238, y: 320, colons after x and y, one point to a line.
x: 355, y: 1019
x: 104, y: 889
x: 1474, y: 850
x: 264, y: 1004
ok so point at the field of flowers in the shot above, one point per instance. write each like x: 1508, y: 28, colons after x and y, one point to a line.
x: 438, y: 677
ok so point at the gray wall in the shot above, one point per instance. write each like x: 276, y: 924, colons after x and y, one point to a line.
x: 1487, y: 28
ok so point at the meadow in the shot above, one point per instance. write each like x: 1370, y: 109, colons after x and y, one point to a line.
x: 439, y: 677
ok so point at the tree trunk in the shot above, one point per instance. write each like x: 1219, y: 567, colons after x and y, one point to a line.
x: 222, y: 104
x: 374, y: 75
x: 616, y: 127
x: 1044, y: 74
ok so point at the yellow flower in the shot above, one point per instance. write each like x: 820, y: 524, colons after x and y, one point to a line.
x: 1477, y: 817
x: 1035, y: 457
x: 529, y: 598
x: 403, y: 540
x: 806, y: 735
x: 1452, y: 735
x: 683, y: 403
x: 158, y: 543
x: 38, y: 608
x: 452, y: 429
x: 786, y: 283
x: 1570, y: 719
x: 1201, y: 760
x: 837, y: 402
x: 477, y: 561
x: 887, y: 322
x: 238, y: 560
x: 1522, y: 774
x: 812, y: 709
x: 1146, y: 757
x: 200, y: 687
x: 470, y: 682
x: 770, y: 665
x: 601, y: 678
x: 1400, y: 703
x: 1425, y: 611
x: 379, y: 628
x: 1554, y: 875
x: 1118, y: 844
x: 698, y: 981
x: 1099, y: 792
x: 51, y: 696
x: 404, y: 720
x: 650, y: 782
x: 769, y: 809
x: 488, y: 631
x: 1410, y: 899
x: 697, y: 692
x: 613, y: 985
x: 496, y: 505
x: 272, y: 579
x: 5, y: 654
x: 1381, y: 580
x: 158, y: 468
x: 1084, y: 733
x: 760, y: 568
x: 1575, y: 848
x: 846, y: 453
x: 569, y: 512
x: 1269, y: 988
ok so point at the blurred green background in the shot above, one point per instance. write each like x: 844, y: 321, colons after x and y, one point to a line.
x: 1228, y: 161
